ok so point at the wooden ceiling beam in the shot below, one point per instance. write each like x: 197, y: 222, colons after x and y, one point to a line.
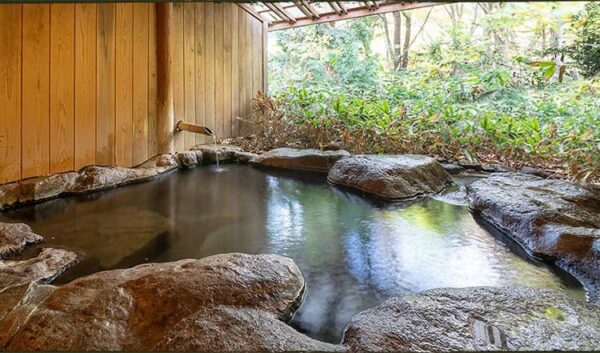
x: 336, y: 8
x: 250, y: 9
x: 311, y: 9
x: 302, y: 9
x: 342, y: 7
x: 353, y: 13
x: 279, y: 11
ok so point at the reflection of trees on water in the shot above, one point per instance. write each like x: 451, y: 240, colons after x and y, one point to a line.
x: 353, y: 255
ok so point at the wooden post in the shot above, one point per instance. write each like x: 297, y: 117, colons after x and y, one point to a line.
x: 164, y: 68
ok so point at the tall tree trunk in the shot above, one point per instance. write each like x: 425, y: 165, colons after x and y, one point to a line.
x: 397, y: 40
x: 407, y: 30
x: 388, y: 41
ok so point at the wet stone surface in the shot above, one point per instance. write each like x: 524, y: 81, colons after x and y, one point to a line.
x: 162, y: 306
x: 551, y: 218
x: 354, y: 253
x: 481, y: 319
x: 211, y: 152
x: 391, y: 177
x: 15, y: 236
x: 312, y: 160
x: 46, y: 266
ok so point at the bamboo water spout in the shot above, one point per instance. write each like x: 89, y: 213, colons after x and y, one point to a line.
x: 197, y: 129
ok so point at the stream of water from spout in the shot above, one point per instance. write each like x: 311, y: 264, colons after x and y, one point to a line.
x: 216, y: 151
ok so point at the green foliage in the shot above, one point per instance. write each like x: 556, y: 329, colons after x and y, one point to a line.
x: 586, y: 47
x: 461, y: 96
x: 560, y: 121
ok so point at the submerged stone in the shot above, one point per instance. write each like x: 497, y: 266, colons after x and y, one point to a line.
x: 15, y: 236
x: 210, y: 152
x: 143, y: 307
x: 392, y: 177
x: 550, y: 218
x: 477, y: 319
x: 300, y: 159
x: 132, y: 233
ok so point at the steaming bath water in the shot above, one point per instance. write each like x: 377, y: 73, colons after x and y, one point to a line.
x: 353, y: 253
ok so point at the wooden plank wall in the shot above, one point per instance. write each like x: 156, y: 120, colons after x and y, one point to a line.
x: 78, y: 81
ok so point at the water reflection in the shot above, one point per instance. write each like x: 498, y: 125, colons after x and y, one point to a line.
x: 353, y: 253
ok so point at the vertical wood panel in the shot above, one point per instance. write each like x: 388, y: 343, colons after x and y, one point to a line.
x: 227, y: 48
x: 152, y: 83
x: 265, y: 57
x: 88, y: 75
x: 36, y: 90
x: 209, y: 68
x: 248, y: 57
x: 140, y: 82
x: 85, y: 85
x: 235, y: 74
x: 242, y: 34
x: 105, y: 128
x: 179, y: 70
x: 189, y: 29
x: 124, y: 84
x: 219, y: 70
x: 10, y: 93
x: 200, y: 71
x: 62, y: 82
x: 256, y: 54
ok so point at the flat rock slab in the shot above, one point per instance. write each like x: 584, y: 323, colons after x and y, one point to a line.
x: 549, y: 218
x: 43, y: 268
x: 113, y: 236
x: 481, y: 319
x: 391, y: 177
x: 312, y: 160
x: 141, y: 308
x: 88, y: 179
x: 14, y: 237
x: 94, y: 178
x: 211, y: 152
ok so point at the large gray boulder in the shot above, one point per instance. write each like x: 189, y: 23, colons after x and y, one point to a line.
x: 156, y: 306
x: 391, y: 177
x: 15, y: 236
x: 553, y: 219
x: 299, y: 159
x: 477, y: 319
